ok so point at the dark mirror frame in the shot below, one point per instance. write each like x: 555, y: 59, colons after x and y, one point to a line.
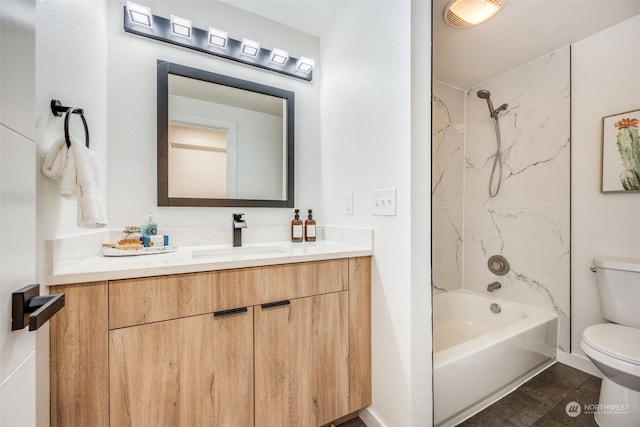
x: 166, y: 68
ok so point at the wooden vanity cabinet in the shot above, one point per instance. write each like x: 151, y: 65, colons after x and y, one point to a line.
x: 284, y: 345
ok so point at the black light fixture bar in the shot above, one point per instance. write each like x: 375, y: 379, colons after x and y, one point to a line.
x: 160, y: 30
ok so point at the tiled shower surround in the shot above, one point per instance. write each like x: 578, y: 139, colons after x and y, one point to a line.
x: 528, y: 221
x: 447, y: 181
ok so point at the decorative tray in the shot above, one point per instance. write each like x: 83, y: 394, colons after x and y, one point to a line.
x: 107, y: 251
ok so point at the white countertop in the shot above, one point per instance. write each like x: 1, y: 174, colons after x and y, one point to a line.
x: 192, y: 259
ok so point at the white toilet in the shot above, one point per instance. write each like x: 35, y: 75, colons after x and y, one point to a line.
x: 615, y: 347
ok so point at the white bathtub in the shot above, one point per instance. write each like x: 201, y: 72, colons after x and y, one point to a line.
x: 480, y: 356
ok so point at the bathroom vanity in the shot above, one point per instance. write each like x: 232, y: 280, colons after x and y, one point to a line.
x: 226, y: 343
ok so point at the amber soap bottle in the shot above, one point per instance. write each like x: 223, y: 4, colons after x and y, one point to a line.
x: 310, y: 228
x: 296, y: 227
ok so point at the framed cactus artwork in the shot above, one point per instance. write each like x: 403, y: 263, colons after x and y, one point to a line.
x: 621, y: 153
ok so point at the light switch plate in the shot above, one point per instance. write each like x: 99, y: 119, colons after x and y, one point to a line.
x: 384, y: 202
x: 348, y: 203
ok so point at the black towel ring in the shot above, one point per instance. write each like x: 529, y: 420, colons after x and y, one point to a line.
x: 80, y: 112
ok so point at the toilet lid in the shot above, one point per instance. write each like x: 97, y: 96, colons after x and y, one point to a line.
x: 621, y: 342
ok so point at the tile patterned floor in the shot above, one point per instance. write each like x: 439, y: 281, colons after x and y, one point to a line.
x: 356, y: 422
x: 542, y: 401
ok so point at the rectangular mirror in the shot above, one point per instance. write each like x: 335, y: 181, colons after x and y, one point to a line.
x: 223, y: 141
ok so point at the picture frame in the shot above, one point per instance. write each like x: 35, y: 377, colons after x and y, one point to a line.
x: 620, y: 153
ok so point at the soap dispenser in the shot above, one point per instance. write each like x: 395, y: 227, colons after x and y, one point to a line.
x: 296, y: 227
x: 149, y: 228
x: 310, y: 228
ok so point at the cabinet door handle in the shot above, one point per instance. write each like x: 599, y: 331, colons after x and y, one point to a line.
x: 275, y: 304
x: 230, y: 312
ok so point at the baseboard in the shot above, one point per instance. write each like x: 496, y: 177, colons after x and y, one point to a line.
x: 579, y: 362
x: 370, y: 418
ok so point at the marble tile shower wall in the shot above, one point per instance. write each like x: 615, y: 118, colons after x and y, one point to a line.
x: 447, y: 177
x: 529, y: 220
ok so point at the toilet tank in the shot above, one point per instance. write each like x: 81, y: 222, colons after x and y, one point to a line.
x: 619, y: 287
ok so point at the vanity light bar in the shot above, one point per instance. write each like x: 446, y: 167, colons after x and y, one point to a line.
x: 178, y: 31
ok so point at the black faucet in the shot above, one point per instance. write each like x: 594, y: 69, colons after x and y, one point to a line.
x: 238, y: 225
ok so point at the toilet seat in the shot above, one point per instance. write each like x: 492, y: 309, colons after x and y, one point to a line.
x: 611, y: 341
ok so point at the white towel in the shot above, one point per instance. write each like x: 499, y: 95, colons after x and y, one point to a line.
x: 77, y: 170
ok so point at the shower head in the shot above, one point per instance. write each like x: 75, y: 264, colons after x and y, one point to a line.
x: 485, y: 94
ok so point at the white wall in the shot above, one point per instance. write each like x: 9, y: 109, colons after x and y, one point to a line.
x: 132, y: 111
x: 17, y: 207
x: 71, y: 66
x: 367, y: 144
x: 605, y: 81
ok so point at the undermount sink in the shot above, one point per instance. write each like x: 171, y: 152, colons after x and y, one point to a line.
x: 241, y: 250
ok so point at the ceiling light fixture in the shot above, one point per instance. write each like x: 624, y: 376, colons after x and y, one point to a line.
x: 178, y: 31
x: 469, y: 13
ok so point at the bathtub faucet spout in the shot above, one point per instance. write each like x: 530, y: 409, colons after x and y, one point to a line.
x: 493, y: 286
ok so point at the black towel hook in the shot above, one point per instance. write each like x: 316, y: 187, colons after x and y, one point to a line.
x: 57, y: 109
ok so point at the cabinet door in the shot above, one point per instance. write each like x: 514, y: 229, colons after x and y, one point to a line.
x: 359, y: 333
x: 79, y: 357
x: 301, y: 361
x: 195, y: 371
